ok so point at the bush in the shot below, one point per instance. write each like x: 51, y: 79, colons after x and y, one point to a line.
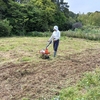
x: 87, y: 32
x: 38, y: 34
x: 5, y: 28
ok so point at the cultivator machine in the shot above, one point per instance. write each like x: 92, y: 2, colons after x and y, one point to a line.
x: 45, y: 52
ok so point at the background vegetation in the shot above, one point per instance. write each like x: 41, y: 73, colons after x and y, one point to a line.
x: 21, y: 17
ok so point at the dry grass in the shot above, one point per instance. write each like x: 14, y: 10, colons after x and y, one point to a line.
x: 20, y: 49
x: 23, y: 74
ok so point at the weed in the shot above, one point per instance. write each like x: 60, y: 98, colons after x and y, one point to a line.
x: 87, y: 89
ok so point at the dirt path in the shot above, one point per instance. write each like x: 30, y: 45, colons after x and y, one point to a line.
x: 45, y: 79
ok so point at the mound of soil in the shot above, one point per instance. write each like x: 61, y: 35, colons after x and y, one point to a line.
x: 46, y: 78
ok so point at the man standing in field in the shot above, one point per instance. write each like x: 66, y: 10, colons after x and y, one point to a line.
x: 55, y: 38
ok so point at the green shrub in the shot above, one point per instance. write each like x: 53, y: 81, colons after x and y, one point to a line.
x: 87, y: 32
x: 38, y: 34
x: 5, y: 28
x: 63, y: 33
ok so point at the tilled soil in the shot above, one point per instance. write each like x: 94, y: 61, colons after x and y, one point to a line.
x: 46, y: 78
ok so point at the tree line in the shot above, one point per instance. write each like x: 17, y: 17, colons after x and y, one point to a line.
x: 19, y: 17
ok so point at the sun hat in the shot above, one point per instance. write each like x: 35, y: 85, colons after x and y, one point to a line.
x: 55, y: 28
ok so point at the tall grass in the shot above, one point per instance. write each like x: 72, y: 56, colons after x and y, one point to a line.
x: 86, y: 33
x: 39, y: 34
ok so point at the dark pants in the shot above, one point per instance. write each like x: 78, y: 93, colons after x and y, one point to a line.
x: 55, y: 45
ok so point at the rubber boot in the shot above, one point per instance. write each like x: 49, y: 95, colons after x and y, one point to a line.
x: 54, y: 53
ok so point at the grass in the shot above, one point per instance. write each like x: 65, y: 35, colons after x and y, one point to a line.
x: 88, y: 88
x: 26, y: 49
x: 85, y: 33
x: 21, y: 49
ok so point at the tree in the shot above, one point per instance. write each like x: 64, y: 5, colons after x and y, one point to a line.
x: 17, y: 15
x: 5, y: 28
x: 62, y: 6
x: 94, y: 18
x: 84, y: 18
x: 3, y: 8
x: 34, y: 15
x: 44, y: 17
x: 90, y: 18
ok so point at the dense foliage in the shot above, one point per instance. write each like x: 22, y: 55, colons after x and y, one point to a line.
x: 86, y: 32
x: 5, y: 28
x: 33, y: 15
x: 90, y: 18
x: 26, y: 16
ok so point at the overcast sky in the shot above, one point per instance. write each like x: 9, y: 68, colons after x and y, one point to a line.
x: 85, y: 6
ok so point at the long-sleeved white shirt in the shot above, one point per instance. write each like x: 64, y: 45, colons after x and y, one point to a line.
x: 55, y: 36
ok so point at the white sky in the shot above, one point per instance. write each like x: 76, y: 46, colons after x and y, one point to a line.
x: 80, y: 6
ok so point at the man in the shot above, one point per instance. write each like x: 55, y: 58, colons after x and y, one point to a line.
x: 55, y: 38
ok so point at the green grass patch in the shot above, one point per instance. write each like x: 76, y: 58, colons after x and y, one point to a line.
x: 26, y: 59
x: 87, y: 89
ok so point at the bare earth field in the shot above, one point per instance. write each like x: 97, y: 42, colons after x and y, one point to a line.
x: 44, y: 78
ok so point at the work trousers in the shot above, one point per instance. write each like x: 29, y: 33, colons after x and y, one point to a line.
x: 55, y: 45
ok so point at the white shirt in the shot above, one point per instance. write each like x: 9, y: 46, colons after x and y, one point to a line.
x: 55, y: 36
